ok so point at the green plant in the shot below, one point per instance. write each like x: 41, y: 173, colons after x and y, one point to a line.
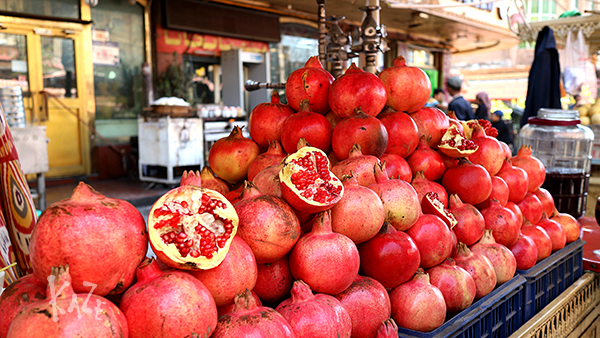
x: 176, y: 81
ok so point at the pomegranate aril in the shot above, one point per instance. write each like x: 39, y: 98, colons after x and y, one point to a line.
x: 195, y: 254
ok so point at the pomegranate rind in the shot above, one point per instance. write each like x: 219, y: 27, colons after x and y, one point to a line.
x: 431, y: 204
x: 167, y: 253
x: 451, y: 142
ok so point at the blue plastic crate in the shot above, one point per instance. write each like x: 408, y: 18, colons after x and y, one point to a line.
x: 550, y: 277
x: 497, y: 315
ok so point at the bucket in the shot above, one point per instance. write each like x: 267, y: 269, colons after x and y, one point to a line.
x: 11, y: 99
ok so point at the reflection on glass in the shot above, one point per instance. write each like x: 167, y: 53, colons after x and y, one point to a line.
x: 60, y: 8
x: 58, y: 66
x: 13, y: 62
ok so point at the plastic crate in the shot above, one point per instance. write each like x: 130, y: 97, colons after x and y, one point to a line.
x: 550, y: 277
x: 495, y: 315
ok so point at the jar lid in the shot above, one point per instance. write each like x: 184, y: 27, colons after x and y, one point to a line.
x: 555, y: 117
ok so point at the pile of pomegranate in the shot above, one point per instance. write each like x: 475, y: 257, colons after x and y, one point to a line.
x: 350, y: 212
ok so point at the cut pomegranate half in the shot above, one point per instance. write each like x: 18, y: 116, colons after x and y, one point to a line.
x: 191, y: 227
x: 455, y: 144
x: 432, y: 205
x: 306, y: 182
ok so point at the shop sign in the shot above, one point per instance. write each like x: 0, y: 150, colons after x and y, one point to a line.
x: 105, y: 53
x: 174, y: 41
x: 100, y: 34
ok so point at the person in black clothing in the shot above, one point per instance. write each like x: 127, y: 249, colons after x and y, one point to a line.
x: 460, y: 106
x: 484, y: 105
x: 505, y: 133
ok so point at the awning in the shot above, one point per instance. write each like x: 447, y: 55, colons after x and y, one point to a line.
x: 589, y: 24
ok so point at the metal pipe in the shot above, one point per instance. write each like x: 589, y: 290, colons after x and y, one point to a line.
x: 251, y: 85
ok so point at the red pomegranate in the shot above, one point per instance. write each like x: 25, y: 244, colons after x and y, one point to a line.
x: 531, y: 207
x: 230, y: 157
x: 489, y: 154
x: 267, y: 224
x: 532, y: 165
x: 332, y: 275
x: 391, y: 257
x: 555, y: 232
x: 502, y: 259
x: 455, y: 283
x: 359, y: 214
x: 396, y: 167
x: 540, y: 237
x: 455, y: 144
x: 226, y: 309
x: 357, y: 89
x: 315, y: 315
x: 403, y: 134
x: 250, y: 320
x: 516, y: 179
x: 333, y: 118
x: 266, y: 120
x: 274, y: 281
x: 65, y: 313
x: 274, y: 155
x: 208, y: 180
x: 547, y: 200
x: 525, y: 252
x: 515, y: 208
x: 423, y: 185
x: 432, y: 123
x: 168, y: 303
x: 25, y: 290
x: 236, y: 273
x: 358, y: 165
x: 500, y: 193
x: 503, y: 222
x: 479, y: 267
x: 387, y: 329
x: 449, y: 162
x: 432, y: 205
x: 267, y: 181
x: 400, y: 200
x: 433, y: 238
x: 471, y: 182
x: 362, y: 129
x: 368, y: 304
x: 507, y: 150
x: 569, y: 225
x: 234, y: 196
x: 94, y: 226
x: 418, y: 305
x: 470, y: 224
x: 427, y: 160
x: 408, y: 88
x: 311, y: 82
x: 309, y: 125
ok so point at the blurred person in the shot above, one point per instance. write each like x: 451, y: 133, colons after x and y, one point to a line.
x: 458, y: 104
x: 577, y: 103
x: 505, y: 133
x: 437, y: 99
x: 484, y: 105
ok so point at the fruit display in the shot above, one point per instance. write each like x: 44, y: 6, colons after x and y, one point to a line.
x: 351, y: 212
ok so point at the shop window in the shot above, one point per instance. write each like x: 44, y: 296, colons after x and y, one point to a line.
x: 118, y: 54
x: 540, y: 10
x: 58, y: 8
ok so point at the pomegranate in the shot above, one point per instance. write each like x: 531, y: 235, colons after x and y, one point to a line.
x: 274, y: 281
x: 555, y: 232
x: 94, y: 226
x: 223, y: 310
x: 479, y: 267
x: 64, y: 313
x: 502, y: 259
x: 507, y: 151
x: 357, y: 89
x: 26, y: 290
x: 499, y: 193
x: 532, y: 165
x: 368, y: 304
x: 515, y: 208
x: 236, y: 273
x: 306, y: 182
x: 357, y: 165
x: 400, y: 200
x: 433, y: 238
x: 333, y: 118
x: 311, y: 82
x: 488, y: 153
x: 531, y: 207
x: 396, y: 167
x: 391, y: 257
x: 250, y: 320
x: 208, y: 180
x: 315, y: 315
x: 449, y: 162
x: 546, y: 199
x: 422, y: 186
x: 471, y: 182
x: 432, y: 205
x: 418, y: 305
x: 503, y: 222
x: 267, y: 180
x: 359, y: 214
x: 540, y: 237
x: 403, y: 135
x: 230, y: 157
x: 569, y: 225
x: 427, y: 160
x: 470, y: 224
x: 525, y: 252
x: 516, y: 179
x: 387, y: 329
x: 432, y: 123
x: 455, y: 283
x: 191, y: 227
x: 168, y: 303
x: 332, y: 275
x: 274, y: 155
x: 408, y: 88
x: 362, y: 129
x: 455, y: 144
x: 234, y: 196
x: 309, y: 125
x: 266, y: 119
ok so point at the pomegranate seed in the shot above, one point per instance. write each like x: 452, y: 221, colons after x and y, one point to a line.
x: 195, y: 254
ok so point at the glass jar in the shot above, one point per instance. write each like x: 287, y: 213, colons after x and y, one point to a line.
x: 559, y: 140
